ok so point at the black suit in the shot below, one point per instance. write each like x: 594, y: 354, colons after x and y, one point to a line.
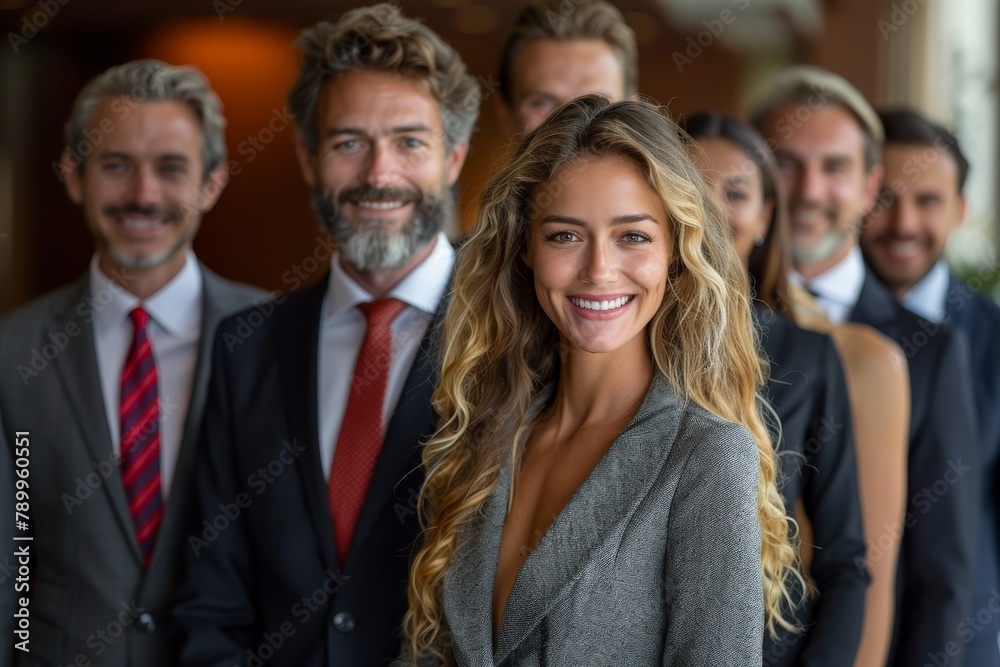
x: 938, y: 548
x: 272, y: 576
x: 978, y: 317
x: 818, y: 464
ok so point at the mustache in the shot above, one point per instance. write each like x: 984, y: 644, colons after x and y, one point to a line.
x: 136, y: 209
x: 378, y: 194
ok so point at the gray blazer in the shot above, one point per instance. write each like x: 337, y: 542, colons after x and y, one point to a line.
x: 655, y: 560
x: 89, y: 593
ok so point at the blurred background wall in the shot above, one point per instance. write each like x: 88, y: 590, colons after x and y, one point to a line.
x: 938, y: 57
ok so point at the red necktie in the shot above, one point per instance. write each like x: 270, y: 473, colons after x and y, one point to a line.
x: 140, y: 437
x: 360, y: 439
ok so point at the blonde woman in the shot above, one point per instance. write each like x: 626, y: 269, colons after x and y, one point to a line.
x: 601, y: 487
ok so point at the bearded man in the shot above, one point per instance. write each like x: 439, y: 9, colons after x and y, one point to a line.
x: 310, y: 468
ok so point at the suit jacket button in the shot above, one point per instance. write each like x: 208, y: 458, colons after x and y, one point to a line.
x: 145, y: 623
x: 343, y: 621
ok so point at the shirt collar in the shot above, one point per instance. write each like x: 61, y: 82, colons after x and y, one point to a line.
x: 422, y: 288
x: 175, y: 307
x: 927, y: 297
x: 841, y: 283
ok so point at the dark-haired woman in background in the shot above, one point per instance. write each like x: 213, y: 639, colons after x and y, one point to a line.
x: 808, y: 391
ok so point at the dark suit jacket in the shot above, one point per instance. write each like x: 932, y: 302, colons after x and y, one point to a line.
x: 269, y: 580
x: 941, y: 525
x: 90, y: 595
x: 818, y: 464
x: 978, y: 317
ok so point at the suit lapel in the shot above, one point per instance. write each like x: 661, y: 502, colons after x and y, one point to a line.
x: 298, y: 356
x: 785, y: 381
x: 411, y: 423
x: 594, y: 517
x: 216, y: 304
x: 876, y: 307
x: 959, y: 295
x: 80, y: 376
x: 771, y: 328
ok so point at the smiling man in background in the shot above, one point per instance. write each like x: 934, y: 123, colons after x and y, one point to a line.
x: 558, y: 51
x: 827, y: 141
x: 922, y: 203
x: 108, y: 375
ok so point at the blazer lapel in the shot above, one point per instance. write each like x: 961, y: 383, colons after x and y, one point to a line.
x: 298, y: 355
x: 80, y: 376
x: 467, y: 593
x: 411, y: 423
x: 593, y: 519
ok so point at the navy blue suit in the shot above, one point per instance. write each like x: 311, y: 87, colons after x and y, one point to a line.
x: 267, y: 587
x: 978, y: 317
x: 941, y: 527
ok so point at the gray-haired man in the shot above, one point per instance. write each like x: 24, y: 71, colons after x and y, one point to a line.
x: 102, y: 382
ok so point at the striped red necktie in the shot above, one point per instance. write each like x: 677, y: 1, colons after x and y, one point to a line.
x: 360, y: 439
x: 140, y: 437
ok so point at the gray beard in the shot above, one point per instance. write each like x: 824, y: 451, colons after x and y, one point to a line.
x: 822, y: 251
x: 368, y: 247
x: 137, y: 262
x: 130, y: 261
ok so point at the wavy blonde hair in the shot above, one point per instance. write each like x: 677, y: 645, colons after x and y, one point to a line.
x: 499, y: 348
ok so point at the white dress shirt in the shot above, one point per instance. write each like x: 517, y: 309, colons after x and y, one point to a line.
x: 927, y: 297
x: 838, y: 289
x: 173, y: 329
x: 343, y: 328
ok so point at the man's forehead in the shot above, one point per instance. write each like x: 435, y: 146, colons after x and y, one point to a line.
x: 166, y: 124
x: 801, y: 130
x: 377, y: 103
x: 588, y: 64
x: 920, y: 164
